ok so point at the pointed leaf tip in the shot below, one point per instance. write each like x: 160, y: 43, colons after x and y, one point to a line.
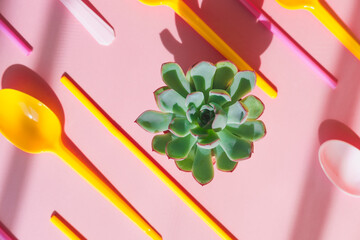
x: 225, y: 72
x: 154, y: 121
x: 242, y: 84
x: 254, y: 105
x: 174, y: 77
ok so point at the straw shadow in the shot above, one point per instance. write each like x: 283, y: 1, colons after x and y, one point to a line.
x: 137, y: 145
x: 27, y: 49
x: 239, y: 29
x: 317, y: 193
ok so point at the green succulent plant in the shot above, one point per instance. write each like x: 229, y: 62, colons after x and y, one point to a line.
x: 204, y: 119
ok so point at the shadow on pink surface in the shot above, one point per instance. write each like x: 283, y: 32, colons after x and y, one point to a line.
x: 333, y: 129
x: 38, y: 88
x: 5, y: 234
x: 92, y: 7
x: 15, y: 36
x: 317, y: 193
x: 239, y: 29
x: 138, y: 146
x: 20, y: 163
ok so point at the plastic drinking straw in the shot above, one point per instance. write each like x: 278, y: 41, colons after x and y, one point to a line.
x: 122, y: 136
x: 11, y: 33
x: 4, y: 235
x: 65, y: 227
x: 272, y: 26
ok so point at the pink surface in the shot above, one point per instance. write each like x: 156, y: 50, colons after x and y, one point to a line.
x: 280, y: 193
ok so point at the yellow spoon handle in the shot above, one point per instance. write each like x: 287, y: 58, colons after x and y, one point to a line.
x: 337, y: 28
x: 144, y: 158
x: 213, y: 39
x: 105, y: 189
x: 65, y: 227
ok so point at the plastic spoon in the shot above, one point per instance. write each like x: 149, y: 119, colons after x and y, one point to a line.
x: 341, y: 164
x: 273, y: 27
x: 210, y: 36
x: 34, y: 128
x: 318, y: 8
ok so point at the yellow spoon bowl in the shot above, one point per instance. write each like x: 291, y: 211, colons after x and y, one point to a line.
x: 320, y: 10
x: 34, y: 128
x: 213, y: 39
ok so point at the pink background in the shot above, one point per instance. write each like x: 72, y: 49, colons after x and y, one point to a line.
x: 280, y: 193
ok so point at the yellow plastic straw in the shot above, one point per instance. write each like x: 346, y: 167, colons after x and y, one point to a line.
x: 65, y: 227
x: 70, y: 85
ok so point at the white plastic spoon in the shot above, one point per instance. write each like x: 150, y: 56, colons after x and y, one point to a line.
x: 341, y: 164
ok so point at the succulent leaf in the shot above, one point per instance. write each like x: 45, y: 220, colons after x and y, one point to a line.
x: 220, y: 118
x: 203, y: 169
x: 174, y: 77
x: 199, y: 132
x: 209, y: 141
x: 158, y: 91
x: 171, y: 101
x: 202, y: 74
x: 250, y: 130
x: 235, y: 147
x: 236, y: 113
x: 219, y: 96
x: 192, y: 113
x: 242, y: 84
x: 223, y: 162
x: 225, y: 72
x: 187, y: 164
x: 179, y: 148
x: 255, y: 106
x: 196, y: 98
x: 159, y: 142
x: 205, y: 117
x: 154, y: 121
x: 180, y: 126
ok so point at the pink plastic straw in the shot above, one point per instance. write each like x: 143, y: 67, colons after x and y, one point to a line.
x: 4, y: 235
x: 272, y: 26
x: 9, y: 31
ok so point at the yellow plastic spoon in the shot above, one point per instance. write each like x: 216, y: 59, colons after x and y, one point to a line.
x: 319, y: 9
x: 211, y: 37
x: 34, y: 128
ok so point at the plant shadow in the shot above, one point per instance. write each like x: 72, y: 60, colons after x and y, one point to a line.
x: 239, y: 29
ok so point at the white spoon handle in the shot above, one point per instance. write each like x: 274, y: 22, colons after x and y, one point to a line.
x: 95, y: 25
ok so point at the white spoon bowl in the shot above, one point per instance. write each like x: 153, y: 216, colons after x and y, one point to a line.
x: 341, y: 164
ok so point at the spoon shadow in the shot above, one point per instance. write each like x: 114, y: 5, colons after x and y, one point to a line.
x: 332, y: 129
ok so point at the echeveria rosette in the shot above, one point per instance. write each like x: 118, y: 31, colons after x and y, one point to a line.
x: 204, y: 119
